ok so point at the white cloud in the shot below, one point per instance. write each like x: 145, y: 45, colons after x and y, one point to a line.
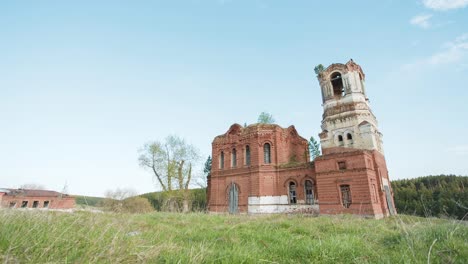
x: 452, y: 52
x: 421, y: 21
x: 442, y: 5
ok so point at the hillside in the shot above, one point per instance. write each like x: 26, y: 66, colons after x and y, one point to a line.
x: 440, y: 196
x: 82, y: 237
x: 88, y: 200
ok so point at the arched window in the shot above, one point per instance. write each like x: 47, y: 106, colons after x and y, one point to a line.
x: 340, y: 139
x: 349, y: 136
x: 337, y: 83
x: 309, y: 192
x: 221, y: 160
x: 292, y: 193
x: 345, y: 196
x: 266, y: 153
x: 247, y: 155
x: 233, y: 158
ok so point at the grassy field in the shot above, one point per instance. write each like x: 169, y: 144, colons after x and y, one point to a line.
x: 82, y: 237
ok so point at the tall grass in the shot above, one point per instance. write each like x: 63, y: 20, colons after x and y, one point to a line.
x: 82, y: 237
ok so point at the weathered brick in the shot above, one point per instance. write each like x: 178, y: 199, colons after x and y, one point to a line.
x: 352, y: 156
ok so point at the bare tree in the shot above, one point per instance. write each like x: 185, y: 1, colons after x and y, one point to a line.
x: 171, y: 162
x: 120, y: 194
x: 115, y: 199
x: 125, y: 201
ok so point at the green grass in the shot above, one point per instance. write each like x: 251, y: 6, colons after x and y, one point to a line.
x: 82, y: 237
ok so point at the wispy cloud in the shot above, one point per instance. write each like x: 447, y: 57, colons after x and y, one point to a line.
x: 421, y: 21
x: 442, y: 5
x: 458, y: 150
x: 452, y: 52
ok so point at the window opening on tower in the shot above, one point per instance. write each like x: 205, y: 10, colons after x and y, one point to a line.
x: 337, y: 83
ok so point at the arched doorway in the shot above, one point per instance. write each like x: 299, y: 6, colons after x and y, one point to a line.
x: 233, y: 198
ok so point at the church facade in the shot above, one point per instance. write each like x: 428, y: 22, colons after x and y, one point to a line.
x: 264, y: 168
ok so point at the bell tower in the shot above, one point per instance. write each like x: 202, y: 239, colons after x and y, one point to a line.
x: 347, y: 121
x: 352, y: 175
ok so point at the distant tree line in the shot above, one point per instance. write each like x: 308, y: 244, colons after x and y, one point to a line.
x: 439, y: 196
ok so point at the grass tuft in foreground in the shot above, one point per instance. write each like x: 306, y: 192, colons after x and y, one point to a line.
x: 41, y: 236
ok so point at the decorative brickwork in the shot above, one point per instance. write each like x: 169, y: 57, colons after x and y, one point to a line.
x: 263, y: 181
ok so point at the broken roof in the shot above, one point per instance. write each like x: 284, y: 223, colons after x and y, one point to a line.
x: 31, y: 193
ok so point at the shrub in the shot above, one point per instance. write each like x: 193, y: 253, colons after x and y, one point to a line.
x: 137, y: 205
x: 130, y: 205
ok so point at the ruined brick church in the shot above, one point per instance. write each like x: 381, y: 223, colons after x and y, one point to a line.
x: 264, y: 168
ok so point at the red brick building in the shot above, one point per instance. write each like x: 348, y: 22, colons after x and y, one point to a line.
x: 23, y: 198
x: 263, y: 168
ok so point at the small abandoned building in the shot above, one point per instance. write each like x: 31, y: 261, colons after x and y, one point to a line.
x: 264, y: 168
x: 24, y: 198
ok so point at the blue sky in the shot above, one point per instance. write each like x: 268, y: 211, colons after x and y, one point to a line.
x: 84, y: 84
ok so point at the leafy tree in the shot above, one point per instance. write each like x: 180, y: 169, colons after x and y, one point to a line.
x: 314, y: 148
x: 171, y: 162
x: 265, y: 118
x: 207, y: 169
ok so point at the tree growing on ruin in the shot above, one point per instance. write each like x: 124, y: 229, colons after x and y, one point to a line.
x: 319, y: 69
x: 171, y: 162
x: 314, y: 148
x: 265, y: 118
